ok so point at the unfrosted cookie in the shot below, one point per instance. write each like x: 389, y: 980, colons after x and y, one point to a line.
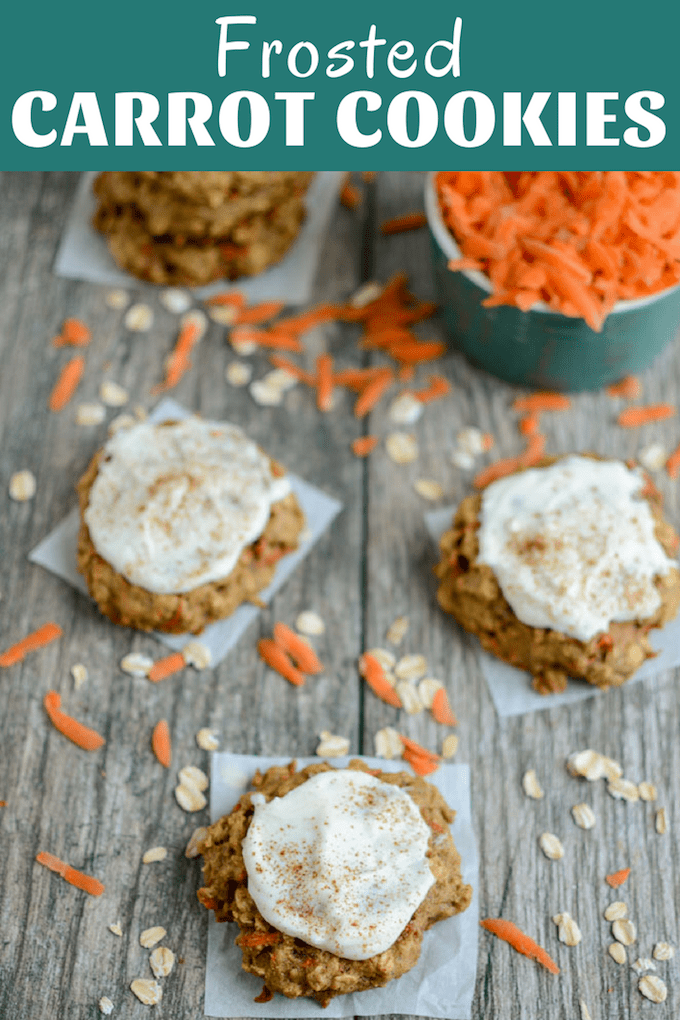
x: 181, y: 523
x: 563, y: 570
x: 286, y: 962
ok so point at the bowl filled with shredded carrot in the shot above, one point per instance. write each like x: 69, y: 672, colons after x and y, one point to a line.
x: 561, y: 280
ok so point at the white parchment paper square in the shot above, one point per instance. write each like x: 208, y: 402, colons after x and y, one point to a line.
x: 511, y: 688
x: 83, y: 253
x: 57, y: 553
x: 442, y: 982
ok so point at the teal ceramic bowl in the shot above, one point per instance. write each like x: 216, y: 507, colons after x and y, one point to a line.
x: 540, y: 347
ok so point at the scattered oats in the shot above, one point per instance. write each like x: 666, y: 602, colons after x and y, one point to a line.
x: 310, y: 623
x: 663, y: 951
x: 531, y: 785
x: 592, y: 765
x: 408, y: 695
x: 428, y: 489
x: 624, y: 931
x: 585, y: 1012
x: 189, y: 798
x: 450, y: 746
x: 461, y: 459
x: 623, y: 789
x: 136, y: 664
x: 660, y: 821
x: 147, y: 991
x: 207, y: 739
x: 647, y: 791
x: 617, y: 952
x: 411, y: 667
x: 243, y: 347
x: 396, y: 632
x: 402, y: 447
x: 567, y: 929
x: 79, y: 674
x: 405, y: 409
x: 616, y: 911
x: 196, y: 838
x: 583, y: 815
x: 112, y: 394
x: 121, y: 421
x: 90, y: 414
x: 22, y: 486
x: 191, y: 775
x: 105, y: 1005
x: 174, y: 300
x: 471, y: 440
x: 642, y: 964
x: 279, y: 379
x: 238, y: 373
x: 653, y: 457
x: 385, y: 658
x: 653, y: 988
x: 225, y: 315
x: 551, y: 847
x: 388, y: 743
x: 162, y: 960
x: 156, y: 853
x: 366, y: 293
x: 116, y: 298
x: 197, y: 654
x: 265, y: 395
x: 116, y: 929
x: 138, y: 318
x: 331, y: 745
x: 151, y: 936
x: 427, y: 688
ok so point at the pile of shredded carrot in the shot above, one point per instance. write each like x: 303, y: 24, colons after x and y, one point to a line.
x: 289, y: 655
x: 578, y: 241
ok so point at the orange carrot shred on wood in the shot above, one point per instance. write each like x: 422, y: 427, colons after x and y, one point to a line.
x: 499, y: 469
x: 374, y: 675
x: 413, y: 353
x: 71, y: 875
x: 259, y: 938
x: 418, y: 749
x: 279, y: 361
x: 514, y: 936
x: 441, y: 709
x: 488, y: 441
x: 633, y: 417
x: 673, y: 463
x: 161, y: 744
x: 538, y: 402
x: 230, y: 298
x: 357, y: 379
x: 277, y: 659
x: 372, y: 394
x: 410, y: 221
x: 163, y: 668
x: 74, y: 333
x: 369, y: 175
x: 529, y: 424
x: 363, y: 445
x: 67, y: 383
x: 350, y: 196
x: 37, y: 639
x: 438, y: 387
x: 421, y: 766
x: 534, y: 450
x: 69, y: 727
x: 259, y: 313
x: 313, y: 317
x: 324, y: 382
x: 629, y: 387
x: 617, y: 878
x: 302, y: 654
x: 406, y: 373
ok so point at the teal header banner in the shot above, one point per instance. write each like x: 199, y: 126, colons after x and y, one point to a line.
x: 250, y: 85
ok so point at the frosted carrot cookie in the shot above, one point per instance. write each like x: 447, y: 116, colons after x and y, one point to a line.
x: 181, y: 523
x: 563, y: 570
x: 193, y: 227
x: 333, y: 876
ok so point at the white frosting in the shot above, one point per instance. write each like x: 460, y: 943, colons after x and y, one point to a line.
x: 173, y: 506
x: 572, y: 545
x: 339, y: 862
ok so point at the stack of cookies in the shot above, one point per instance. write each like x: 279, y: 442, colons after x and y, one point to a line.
x: 193, y: 227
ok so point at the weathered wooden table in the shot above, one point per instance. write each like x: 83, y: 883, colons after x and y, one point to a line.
x: 101, y: 811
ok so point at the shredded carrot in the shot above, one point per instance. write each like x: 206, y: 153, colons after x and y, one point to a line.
x: 229, y: 298
x: 259, y: 313
x: 529, y: 424
x: 441, y: 709
x: 515, y: 937
x: 310, y: 319
x: 324, y: 382
x: 488, y: 441
x: 632, y: 417
x: 279, y: 361
x: 67, y: 383
x: 617, y: 878
x: 673, y: 463
x: 374, y: 675
x: 538, y: 402
x: 71, y: 875
x: 37, y: 639
x: 362, y: 446
x: 438, y: 387
x: 350, y: 196
x: 357, y: 379
x: 302, y: 654
x: 81, y: 735
x: 161, y: 744
x: 414, y: 352
x: 163, y: 668
x: 411, y: 221
x: 406, y: 373
x: 273, y: 338
x: 368, y: 175
x: 629, y: 387
x: 179, y: 361
x: 73, y: 333
x: 276, y: 659
x: 534, y: 450
x: 422, y: 761
x: 372, y: 394
x: 259, y: 938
